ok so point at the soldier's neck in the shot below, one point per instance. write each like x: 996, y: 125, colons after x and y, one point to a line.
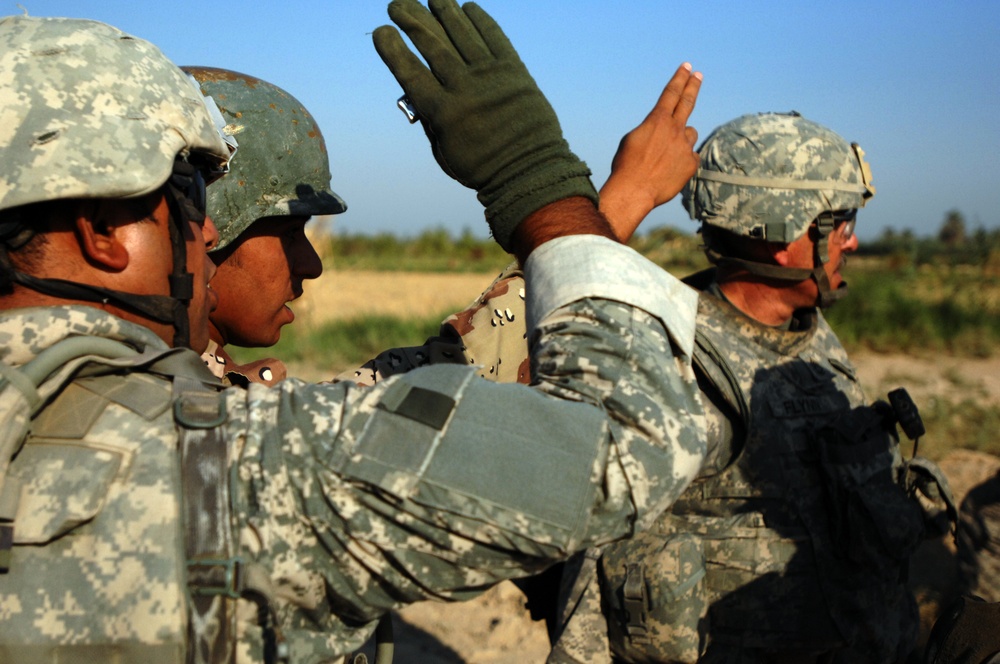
x: 766, y: 303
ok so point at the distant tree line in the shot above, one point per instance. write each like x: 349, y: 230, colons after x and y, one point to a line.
x: 438, y: 249
x: 434, y: 249
x: 954, y: 244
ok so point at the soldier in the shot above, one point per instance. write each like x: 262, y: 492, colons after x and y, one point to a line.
x: 263, y: 255
x: 150, y: 516
x: 279, y: 180
x: 792, y: 543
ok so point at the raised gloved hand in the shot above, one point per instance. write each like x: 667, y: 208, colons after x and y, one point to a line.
x: 490, y: 126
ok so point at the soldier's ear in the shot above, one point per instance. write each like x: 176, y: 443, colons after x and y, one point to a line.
x: 99, y: 232
x: 779, y: 253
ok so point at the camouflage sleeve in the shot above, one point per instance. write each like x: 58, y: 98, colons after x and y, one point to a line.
x: 360, y: 500
x: 269, y: 371
x: 489, y: 334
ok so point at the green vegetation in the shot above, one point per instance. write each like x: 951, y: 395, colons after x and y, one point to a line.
x: 433, y: 250
x: 952, y: 309
x: 952, y: 246
x: 679, y: 253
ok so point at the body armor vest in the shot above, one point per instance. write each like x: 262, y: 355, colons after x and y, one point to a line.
x: 799, y: 541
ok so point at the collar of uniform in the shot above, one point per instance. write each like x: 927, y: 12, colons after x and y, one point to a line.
x: 26, y: 332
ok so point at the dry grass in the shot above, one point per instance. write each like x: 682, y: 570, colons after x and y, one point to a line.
x: 350, y: 294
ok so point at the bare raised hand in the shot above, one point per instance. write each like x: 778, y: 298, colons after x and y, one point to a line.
x: 656, y: 159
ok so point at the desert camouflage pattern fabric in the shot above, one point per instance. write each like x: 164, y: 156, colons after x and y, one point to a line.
x: 63, y: 123
x: 267, y: 371
x: 357, y: 501
x: 978, y: 541
x: 490, y: 334
x: 769, y: 175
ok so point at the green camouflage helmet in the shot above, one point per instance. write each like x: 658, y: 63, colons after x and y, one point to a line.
x: 769, y: 175
x: 87, y: 111
x: 282, y: 167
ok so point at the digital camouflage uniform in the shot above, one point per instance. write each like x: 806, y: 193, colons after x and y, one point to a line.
x: 346, y: 525
x: 340, y: 503
x: 712, y: 549
x: 793, y: 542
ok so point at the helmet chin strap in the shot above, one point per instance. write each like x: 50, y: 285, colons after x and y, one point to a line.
x: 181, y: 281
x: 827, y: 295
x: 155, y: 307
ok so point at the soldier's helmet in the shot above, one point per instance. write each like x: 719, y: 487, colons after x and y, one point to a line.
x: 91, y: 112
x: 87, y: 111
x: 282, y: 168
x: 768, y: 176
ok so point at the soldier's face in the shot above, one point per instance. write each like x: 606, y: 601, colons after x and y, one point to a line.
x: 257, y: 277
x: 839, y: 243
x: 203, y: 236
x: 150, y: 265
x: 802, y: 253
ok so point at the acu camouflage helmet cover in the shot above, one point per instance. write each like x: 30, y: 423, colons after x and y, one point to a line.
x: 87, y: 111
x: 769, y: 175
x: 282, y: 167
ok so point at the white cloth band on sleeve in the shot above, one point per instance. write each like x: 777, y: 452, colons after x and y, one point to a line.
x: 575, y: 267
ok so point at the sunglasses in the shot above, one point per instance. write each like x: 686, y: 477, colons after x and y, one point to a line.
x: 849, y: 219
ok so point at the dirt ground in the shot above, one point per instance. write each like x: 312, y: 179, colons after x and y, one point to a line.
x: 495, y: 628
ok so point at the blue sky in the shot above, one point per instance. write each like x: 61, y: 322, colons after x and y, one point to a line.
x: 916, y: 83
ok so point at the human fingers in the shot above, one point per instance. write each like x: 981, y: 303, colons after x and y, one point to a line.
x: 691, y: 134
x: 428, y: 36
x: 671, y: 94
x: 688, y: 97
x: 461, y: 30
x: 406, y: 67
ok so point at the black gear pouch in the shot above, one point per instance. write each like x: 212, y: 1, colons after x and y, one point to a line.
x: 873, y: 523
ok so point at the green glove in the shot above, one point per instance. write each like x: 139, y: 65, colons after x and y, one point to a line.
x: 490, y: 126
